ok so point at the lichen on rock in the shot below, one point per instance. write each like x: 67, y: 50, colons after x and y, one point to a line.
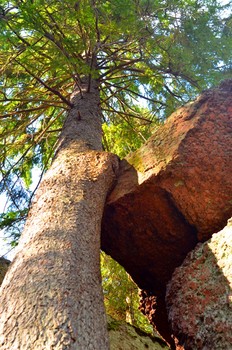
x: 171, y: 194
x: 124, y: 336
x: 199, y: 296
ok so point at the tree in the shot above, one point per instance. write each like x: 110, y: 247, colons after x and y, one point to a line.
x: 121, y: 294
x: 66, y: 66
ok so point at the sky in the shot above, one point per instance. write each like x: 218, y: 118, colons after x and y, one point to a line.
x: 5, y: 249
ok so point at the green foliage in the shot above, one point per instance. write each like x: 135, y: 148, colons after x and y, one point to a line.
x: 127, y: 135
x: 121, y: 294
x: 13, y: 221
x: 148, y: 57
x: 161, y: 52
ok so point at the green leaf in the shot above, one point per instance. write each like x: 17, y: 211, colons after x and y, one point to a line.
x: 148, y: 57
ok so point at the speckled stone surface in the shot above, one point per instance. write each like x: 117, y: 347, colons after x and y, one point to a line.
x: 199, y: 296
x: 171, y: 194
x: 124, y: 336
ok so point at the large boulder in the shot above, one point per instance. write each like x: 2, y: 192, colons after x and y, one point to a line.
x: 124, y: 336
x: 199, y: 296
x: 171, y: 194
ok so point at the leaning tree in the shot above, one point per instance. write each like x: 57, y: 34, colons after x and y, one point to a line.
x: 66, y: 68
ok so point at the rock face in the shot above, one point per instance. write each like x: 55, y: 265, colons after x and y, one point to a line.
x: 171, y: 194
x: 199, y: 296
x: 123, y: 336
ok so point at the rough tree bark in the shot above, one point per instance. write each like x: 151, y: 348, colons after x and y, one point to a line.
x: 51, y: 297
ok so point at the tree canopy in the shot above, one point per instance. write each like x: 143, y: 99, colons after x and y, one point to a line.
x: 160, y: 52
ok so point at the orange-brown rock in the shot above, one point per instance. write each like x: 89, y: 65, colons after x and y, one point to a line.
x: 199, y: 296
x: 172, y: 193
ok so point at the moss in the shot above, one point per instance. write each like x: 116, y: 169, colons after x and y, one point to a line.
x: 113, y: 325
x: 154, y: 339
x: 124, y: 336
x: 136, y: 161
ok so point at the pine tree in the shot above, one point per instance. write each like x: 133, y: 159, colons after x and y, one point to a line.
x: 66, y: 67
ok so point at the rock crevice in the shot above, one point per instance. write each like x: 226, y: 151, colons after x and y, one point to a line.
x: 171, y: 194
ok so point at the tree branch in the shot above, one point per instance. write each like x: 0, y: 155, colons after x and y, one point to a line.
x: 136, y: 94
x: 128, y: 114
x: 55, y: 92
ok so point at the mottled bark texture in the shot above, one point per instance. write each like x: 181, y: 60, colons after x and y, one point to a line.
x: 51, y: 298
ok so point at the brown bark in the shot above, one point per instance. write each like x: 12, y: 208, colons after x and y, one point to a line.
x: 51, y: 297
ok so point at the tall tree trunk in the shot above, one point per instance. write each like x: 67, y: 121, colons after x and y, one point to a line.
x: 51, y: 297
